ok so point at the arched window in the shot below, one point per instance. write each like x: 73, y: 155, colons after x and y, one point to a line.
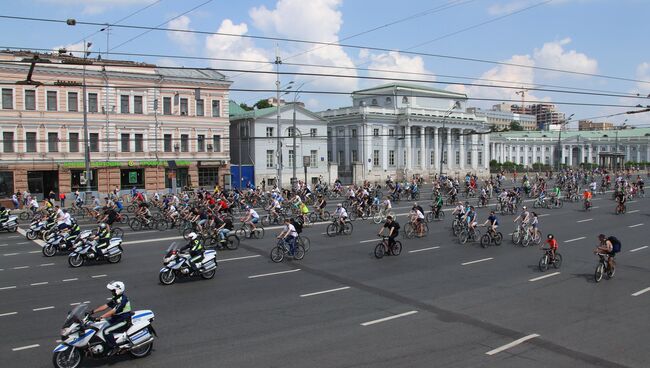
x: 405, y: 100
x: 374, y: 102
x: 389, y: 101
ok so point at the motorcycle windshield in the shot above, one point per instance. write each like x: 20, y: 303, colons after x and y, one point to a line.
x: 172, y: 247
x: 76, y: 314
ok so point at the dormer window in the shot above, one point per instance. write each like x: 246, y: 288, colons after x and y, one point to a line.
x: 389, y: 101
x: 405, y: 100
x: 374, y: 102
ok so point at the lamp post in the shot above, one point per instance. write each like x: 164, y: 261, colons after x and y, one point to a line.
x: 559, y: 141
x: 622, y: 126
x: 444, y: 120
x: 295, y: 98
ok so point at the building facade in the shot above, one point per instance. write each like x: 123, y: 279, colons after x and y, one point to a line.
x: 571, y: 148
x: 404, y: 130
x: 546, y: 114
x: 500, y: 119
x: 590, y: 125
x: 254, y: 138
x: 146, y: 125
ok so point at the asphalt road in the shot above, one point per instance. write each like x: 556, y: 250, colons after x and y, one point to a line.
x: 439, y: 303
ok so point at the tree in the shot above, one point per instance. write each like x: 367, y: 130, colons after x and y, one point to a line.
x: 245, y: 107
x: 262, y: 104
x: 515, y: 126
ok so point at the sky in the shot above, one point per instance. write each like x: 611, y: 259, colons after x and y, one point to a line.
x: 395, y: 40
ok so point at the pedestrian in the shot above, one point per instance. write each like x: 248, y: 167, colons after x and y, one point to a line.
x: 51, y: 197
x: 62, y: 199
x: 15, y: 201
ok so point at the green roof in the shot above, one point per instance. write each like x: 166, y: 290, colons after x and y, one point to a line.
x: 236, y: 112
x: 411, y: 86
x: 623, y: 133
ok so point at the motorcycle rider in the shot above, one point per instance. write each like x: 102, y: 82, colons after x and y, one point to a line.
x: 4, y: 215
x: 118, y: 314
x: 196, y: 250
x: 103, y: 239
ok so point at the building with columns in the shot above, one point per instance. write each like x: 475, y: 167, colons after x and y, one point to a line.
x: 403, y: 130
x: 571, y: 148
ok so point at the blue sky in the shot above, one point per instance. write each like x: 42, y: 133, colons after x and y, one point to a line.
x: 594, y: 36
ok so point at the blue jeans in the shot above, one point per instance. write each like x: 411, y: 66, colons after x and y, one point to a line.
x: 223, y: 233
x: 292, y: 244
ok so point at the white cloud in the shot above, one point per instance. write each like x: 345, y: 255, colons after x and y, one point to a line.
x: 186, y: 40
x: 75, y: 48
x: 553, y: 55
x: 393, y: 64
x: 93, y: 7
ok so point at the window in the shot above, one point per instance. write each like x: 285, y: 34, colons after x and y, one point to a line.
x: 469, y: 158
x: 167, y: 105
x: 75, y: 180
x: 185, y: 143
x: 404, y: 158
x: 8, y: 142
x: 51, y: 101
x: 30, y: 140
x: 340, y: 158
x: 73, y: 101
x: 403, y: 132
x: 94, y: 142
x: 355, y: 156
x: 200, y: 109
x: 243, y: 131
x: 184, y: 107
x: 391, y: 158
x: 291, y: 132
x: 391, y: 132
x: 457, y: 157
x: 375, y: 158
x: 200, y: 140
x: 92, y: 102
x: 374, y: 102
x: 139, y: 146
x: 313, y: 132
x: 432, y: 158
x: 124, y: 104
x: 313, y: 158
x: 137, y: 105
x: 130, y: 178
x: 292, y: 158
x: 405, y: 100
x: 6, y: 183
x: 216, y: 108
x: 53, y: 142
x: 216, y: 143
x: 269, y: 158
x: 389, y: 101
x: 354, y: 133
x: 30, y: 99
x: 73, y: 142
x: 375, y: 132
x: 7, y: 98
x: 419, y: 158
x: 126, y: 142
x: 269, y: 131
x: 329, y: 156
x: 208, y: 177
x: 167, y: 142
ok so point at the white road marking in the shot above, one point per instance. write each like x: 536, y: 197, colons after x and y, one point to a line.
x: 631, y: 201
x: 641, y: 291
x: 388, y: 318
x: 423, y: 249
x: 237, y: 258
x: 68, y: 280
x: 273, y: 273
x: 585, y: 220
x: 477, y: 261
x: 595, y: 207
x: 576, y: 239
x: 8, y: 314
x: 545, y: 276
x: 98, y: 276
x: 371, y: 240
x: 639, y: 248
x: 46, y: 264
x: 39, y: 283
x: 20, y: 267
x: 324, y: 292
x: 152, y: 240
x: 512, y: 344
x: 634, y: 211
x: 7, y: 287
x: 23, y: 243
x: 43, y: 308
x: 34, y: 251
x: 25, y: 347
x: 543, y: 215
x: 10, y: 254
x: 635, y: 225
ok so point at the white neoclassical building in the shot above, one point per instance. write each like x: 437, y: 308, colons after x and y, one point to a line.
x: 572, y: 148
x: 403, y: 130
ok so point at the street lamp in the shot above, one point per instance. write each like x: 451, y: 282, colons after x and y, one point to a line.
x: 559, y: 139
x: 444, y: 120
x: 622, y: 126
x: 295, y: 98
x: 278, y: 61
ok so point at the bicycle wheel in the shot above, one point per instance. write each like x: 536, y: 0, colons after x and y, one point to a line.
x: 135, y: 225
x: 429, y: 217
x: 525, y: 241
x: 232, y: 242
x: 485, y: 240
x: 325, y: 216
x: 498, y: 238
x: 186, y: 233
x: 313, y: 217
x: 347, y: 228
x: 409, y: 231
x: 558, y: 260
x: 124, y: 219
x: 162, y: 225
x: 464, y: 236
x: 299, y: 252
x: 377, y: 218
x: 331, y: 230
x: 352, y: 215
x: 543, y: 263
x: 116, y: 232
x: 241, y: 232
x: 24, y: 216
x: 266, y: 220
x: 396, y: 249
x: 441, y: 215
x: 537, y: 237
x: 379, y: 250
x: 305, y: 242
x: 277, y: 254
x: 611, y: 272
x: 600, y: 270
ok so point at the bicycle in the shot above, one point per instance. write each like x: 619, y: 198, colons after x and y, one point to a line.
x: 282, y: 249
x: 491, y: 237
x: 335, y: 228
x: 411, y: 230
x: 381, y: 215
x: 467, y: 235
x: 548, y: 259
x: 304, y: 241
x: 620, y: 209
x: 319, y: 215
x: 587, y: 205
x: 603, y: 268
x: 270, y: 219
x: 247, y: 232
x: 435, y: 215
x: 380, y: 249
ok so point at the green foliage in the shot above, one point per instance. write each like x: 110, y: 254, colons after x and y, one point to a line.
x: 515, y: 126
x: 245, y: 107
x: 262, y: 104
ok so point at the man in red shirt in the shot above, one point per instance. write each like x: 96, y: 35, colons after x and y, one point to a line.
x: 552, y: 244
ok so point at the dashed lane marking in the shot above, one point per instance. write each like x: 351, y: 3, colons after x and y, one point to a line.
x: 369, y: 323
x: 43, y: 308
x: 585, y: 220
x: 39, y: 283
x: 21, y: 243
x: 544, y: 277
x: 633, y: 211
x: 423, y: 249
x: 576, y: 239
x: 370, y: 240
x: 512, y: 344
x: 637, y: 225
x: 68, y: 280
x: 273, y: 273
x: 237, y: 258
x: 7, y: 287
x: 98, y: 276
x: 10, y: 254
x: 34, y: 251
x: 477, y: 261
x: 324, y: 292
x: 25, y: 347
x: 641, y: 291
x: 638, y: 249
x: 20, y: 267
x: 46, y: 264
x: 8, y: 314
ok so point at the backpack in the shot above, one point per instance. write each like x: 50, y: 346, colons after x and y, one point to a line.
x: 396, y: 225
x: 298, y: 225
x: 616, y: 244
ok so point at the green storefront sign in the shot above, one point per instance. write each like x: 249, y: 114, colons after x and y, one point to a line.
x: 97, y: 164
x: 133, y: 177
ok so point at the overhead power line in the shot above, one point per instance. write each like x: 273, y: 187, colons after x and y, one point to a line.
x: 370, y: 48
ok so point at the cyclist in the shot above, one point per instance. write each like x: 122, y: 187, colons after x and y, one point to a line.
x: 393, y: 231
x: 524, y: 217
x: 320, y: 205
x: 621, y: 198
x: 470, y: 218
x: 341, y: 215
x: 534, y: 225
x: 251, y: 218
x: 493, y: 221
x: 586, y: 196
x: 437, y: 205
x: 289, y: 234
x: 552, y: 245
x: 606, y: 247
x: 417, y: 219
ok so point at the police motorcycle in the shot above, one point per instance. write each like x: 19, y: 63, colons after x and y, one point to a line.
x: 10, y: 225
x: 178, y: 264
x: 55, y: 242
x: 83, y: 251
x: 82, y: 336
x: 37, y: 228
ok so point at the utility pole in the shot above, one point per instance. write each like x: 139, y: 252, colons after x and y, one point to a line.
x: 442, y: 145
x: 85, y: 117
x: 278, y: 61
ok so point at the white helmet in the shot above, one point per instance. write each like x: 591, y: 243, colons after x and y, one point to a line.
x: 192, y: 236
x: 117, y: 287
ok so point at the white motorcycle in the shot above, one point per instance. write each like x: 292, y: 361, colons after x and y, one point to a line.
x: 36, y: 229
x: 83, y: 336
x: 84, y: 252
x: 11, y: 225
x: 55, y: 242
x: 178, y: 264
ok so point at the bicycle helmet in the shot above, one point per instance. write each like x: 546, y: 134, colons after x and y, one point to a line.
x: 192, y: 236
x: 116, y: 287
x: 102, y: 226
x: 524, y: 208
x: 550, y: 236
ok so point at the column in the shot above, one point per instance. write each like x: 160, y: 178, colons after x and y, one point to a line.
x: 503, y: 152
x: 384, y: 147
x: 533, y: 155
x: 627, y: 153
x: 570, y: 155
x: 346, y: 140
x: 486, y: 159
x: 334, y: 151
x: 409, y: 136
x: 638, y: 153
x: 647, y: 152
x: 590, y: 153
x: 450, y: 163
x: 368, y: 146
x: 551, y: 156
x: 474, y: 151
x: 423, y: 148
x: 436, y: 149
x: 461, y: 141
